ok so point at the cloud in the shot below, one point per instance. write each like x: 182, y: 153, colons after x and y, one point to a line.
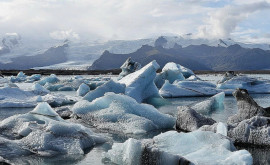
x: 125, y: 19
x: 62, y: 35
x: 223, y: 22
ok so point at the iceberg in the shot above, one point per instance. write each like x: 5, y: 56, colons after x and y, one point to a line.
x: 11, y: 97
x: 50, y: 79
x: 19, y: 78
x: 222, y: 128
x: 39, y: 90
x: 140, y: 84
x: 190, y: 120
x: 198, y: 147
x: 171, y: 72
x: 34, y: 77
x: 121, y: 113
x: 44, y: 133
x: 211, y: 104
x: 253, y: 85
x: 83, y: 90
x: 188, y: 88
x: 128, y: 67
x: 110, y: 86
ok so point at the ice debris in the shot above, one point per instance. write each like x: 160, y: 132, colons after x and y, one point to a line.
x: 128, y: 67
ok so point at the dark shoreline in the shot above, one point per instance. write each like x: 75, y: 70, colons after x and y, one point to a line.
x: 112, y: 72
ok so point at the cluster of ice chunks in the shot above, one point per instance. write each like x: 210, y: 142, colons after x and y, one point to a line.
x: 197, y: 147
x: 128, y: 67
x: 121, y: 113
x: 21, y: 77
x: 43, y: 132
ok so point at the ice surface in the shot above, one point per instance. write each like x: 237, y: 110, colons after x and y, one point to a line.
x: 128, y: 67
x: 140, y: 84
x: 44, y: 109
x: 199, y: 147
x: 16, y: 97
x: 110, y: 86
x: 50, y: 79
x: 171, y: 72
x: 121, y: 113
x: 39, y: 90
x: 211, y: 104
x: 83, y: 90
x: 222, y: 128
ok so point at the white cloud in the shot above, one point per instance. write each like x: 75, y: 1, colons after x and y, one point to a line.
x: 125, y: 19
x: 64, y: 34
x: 223, y: 22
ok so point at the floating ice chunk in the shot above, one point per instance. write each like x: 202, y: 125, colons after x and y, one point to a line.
x: 56, y: 100
x: 16, y: 97
x: 140, y: 84
x: 198, y: 147
x: 21, y: 74
x: 44, y: 135
x: 50, y: 79
x: 39, y: 90
x: 171, y: 72
x: 121, y: 113
x: 53, y: 87
x: 253, y: 85
x: 19, y: 78
x: 34, y: 77
x: 44, y: 109
x: 83, y: 89
x: 188, y: 88
x: 211, y: 104
x: 190, y: 120
x: 126, y: 153
x: 222, y: 128
x: 110, y: 86
x: 128, y: 67
x: 39, y: 99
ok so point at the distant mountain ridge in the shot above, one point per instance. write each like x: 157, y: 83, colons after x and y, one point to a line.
x: 195, y: 57
x: 81, y: 54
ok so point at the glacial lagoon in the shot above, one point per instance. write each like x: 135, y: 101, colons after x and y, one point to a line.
x: 94, y: 155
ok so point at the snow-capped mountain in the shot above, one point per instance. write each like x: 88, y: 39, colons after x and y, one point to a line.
x: 81, y: 54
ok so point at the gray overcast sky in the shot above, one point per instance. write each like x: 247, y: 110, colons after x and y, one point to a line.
x: 244, y: 20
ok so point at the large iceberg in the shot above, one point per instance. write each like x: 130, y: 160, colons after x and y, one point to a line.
x: 253, y: 85
x: 198, y: 147
x: 188, y: 88
x: 44, y: 133
x: 110, y: 86
x: 128, y: 67
x: 121, y: 113
x: 39, y: 90
x: 140, y: 84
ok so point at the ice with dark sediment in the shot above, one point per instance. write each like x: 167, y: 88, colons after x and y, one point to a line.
x: 197, y: 147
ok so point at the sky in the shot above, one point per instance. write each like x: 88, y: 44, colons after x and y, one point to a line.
x: 242, y: 20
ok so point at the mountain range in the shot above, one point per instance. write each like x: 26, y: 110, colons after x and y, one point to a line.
x: 17, y: 52
x: 195, y: 57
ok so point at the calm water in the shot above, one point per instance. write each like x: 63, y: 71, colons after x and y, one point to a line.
x: 94, y: 155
